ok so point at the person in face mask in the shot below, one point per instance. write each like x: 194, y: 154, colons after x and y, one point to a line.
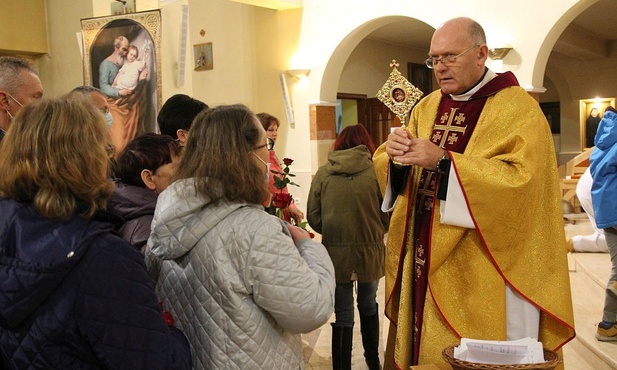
x: 19, y: 86
x: 271, y: 125
x: 225, y: 267
x: 98, y: 98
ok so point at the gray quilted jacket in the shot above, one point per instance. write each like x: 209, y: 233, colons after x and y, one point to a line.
x: 235, y: 282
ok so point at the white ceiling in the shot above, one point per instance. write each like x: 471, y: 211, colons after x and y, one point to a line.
x: 590, y: 35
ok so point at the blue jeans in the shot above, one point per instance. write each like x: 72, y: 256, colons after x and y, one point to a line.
x: 343, y: 301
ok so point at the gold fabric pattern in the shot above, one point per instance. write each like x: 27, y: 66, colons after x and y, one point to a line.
x: 508, y: 174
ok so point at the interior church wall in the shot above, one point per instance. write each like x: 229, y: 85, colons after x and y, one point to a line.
x: 586, y: 79
x: 62, y: 68
x: 371, y: 60
x: 331, y: 38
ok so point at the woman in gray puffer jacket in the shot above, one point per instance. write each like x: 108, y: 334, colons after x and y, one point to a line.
x: 241, y: 283
x: 344, y: 206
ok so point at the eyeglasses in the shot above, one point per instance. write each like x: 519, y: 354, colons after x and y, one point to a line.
x: 447, y: 61
x: 269, y: 144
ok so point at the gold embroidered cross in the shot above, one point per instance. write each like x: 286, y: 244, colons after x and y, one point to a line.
x: 425, y: 192
x: 449, y: 131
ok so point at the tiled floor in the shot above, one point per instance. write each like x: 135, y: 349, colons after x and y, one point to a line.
x: 317, y: 343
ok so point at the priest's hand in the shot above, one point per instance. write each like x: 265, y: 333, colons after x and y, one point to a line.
x: 422, y: 152
x: 398, y: 143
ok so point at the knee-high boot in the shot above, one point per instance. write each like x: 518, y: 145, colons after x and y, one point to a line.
x: 369, y: 326
x: 342, y: 338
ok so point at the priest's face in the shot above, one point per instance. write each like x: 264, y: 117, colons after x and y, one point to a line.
x: 461, y: 62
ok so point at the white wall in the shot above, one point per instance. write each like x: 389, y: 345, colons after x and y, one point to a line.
x: 328, y: 39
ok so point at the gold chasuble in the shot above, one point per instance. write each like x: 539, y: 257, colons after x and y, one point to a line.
x: 446, y: 282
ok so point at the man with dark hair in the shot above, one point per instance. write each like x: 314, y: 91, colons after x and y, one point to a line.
x: 19, y: 86
x: 177, y: 114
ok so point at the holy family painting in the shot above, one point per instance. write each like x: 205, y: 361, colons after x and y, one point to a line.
x: 121, y: 57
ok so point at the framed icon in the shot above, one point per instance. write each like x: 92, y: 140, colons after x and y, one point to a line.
x: 203, y: 56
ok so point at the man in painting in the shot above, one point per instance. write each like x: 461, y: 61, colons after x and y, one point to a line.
x: 19, y: 86
x: 127, y: 106
x: 111, y: 65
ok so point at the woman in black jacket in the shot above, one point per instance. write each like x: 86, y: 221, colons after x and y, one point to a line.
x: 72, y: 294
x: 143, y: 170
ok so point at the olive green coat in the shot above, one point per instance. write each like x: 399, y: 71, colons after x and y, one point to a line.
x: 344, y: 206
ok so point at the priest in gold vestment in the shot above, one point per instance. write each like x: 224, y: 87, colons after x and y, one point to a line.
x: 476, y: 247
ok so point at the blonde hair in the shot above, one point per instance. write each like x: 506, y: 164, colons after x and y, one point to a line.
x: 54, y: 156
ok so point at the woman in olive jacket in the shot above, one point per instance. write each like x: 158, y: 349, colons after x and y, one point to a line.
x: 344, y: 206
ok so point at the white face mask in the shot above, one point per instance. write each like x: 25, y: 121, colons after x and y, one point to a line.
x: 109, y: 119
x: 267, y: 176
x: 16, y: 101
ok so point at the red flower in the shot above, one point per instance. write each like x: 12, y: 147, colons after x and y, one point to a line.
x: 281, y: 200
x: 288, y: 161
x: 167, y: 316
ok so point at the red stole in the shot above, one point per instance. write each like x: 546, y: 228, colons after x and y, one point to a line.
x: 452, y: 129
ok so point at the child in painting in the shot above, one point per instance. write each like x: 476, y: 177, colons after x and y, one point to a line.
x: 128, y: 75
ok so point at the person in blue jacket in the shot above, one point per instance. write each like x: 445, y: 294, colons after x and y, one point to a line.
x: 73, y: 295
x: 603, y: 167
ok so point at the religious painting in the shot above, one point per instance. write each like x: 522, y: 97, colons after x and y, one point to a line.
x: 420, y: 76
x: 122, y: 58
x: 591, y: 112
x: 203, y: 56
x: 552, y: 113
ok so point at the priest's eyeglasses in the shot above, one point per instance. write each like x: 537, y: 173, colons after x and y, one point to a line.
x: 447, y: 61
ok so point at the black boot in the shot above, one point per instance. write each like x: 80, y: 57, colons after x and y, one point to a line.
x: 369, y: 326
x: 342, y: 338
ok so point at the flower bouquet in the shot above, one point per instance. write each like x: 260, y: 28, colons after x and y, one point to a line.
x: 281, y: 200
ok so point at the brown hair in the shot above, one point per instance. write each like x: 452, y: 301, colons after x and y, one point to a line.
x: 146, y: 152
x: 267, y: 120
x: 54, y: 156
x: 218, y: 154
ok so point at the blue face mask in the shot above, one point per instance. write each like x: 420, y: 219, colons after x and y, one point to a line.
x: 109, y: 119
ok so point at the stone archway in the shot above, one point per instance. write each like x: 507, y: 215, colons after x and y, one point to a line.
x: 322, y: 116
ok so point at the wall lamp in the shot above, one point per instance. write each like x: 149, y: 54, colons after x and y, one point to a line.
x: 298, y: 74
x: 500, y: 52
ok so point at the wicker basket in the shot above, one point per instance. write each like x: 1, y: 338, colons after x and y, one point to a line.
x: 551, y: 357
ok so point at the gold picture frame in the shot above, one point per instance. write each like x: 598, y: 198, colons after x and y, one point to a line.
x: 202, y: 55
x: 134, y: 110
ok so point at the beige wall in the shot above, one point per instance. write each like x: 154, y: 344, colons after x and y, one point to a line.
x: 253, y: 45
x: 23, y: 27
x: 62, y: 68
x: 371, y: 60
